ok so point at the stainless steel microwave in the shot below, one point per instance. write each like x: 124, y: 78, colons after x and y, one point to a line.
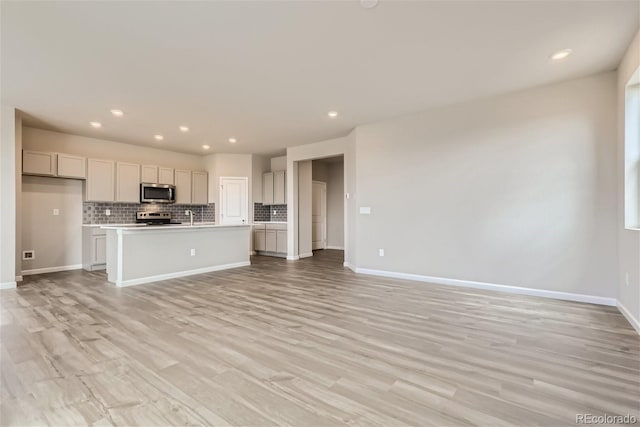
x: 157, y: 193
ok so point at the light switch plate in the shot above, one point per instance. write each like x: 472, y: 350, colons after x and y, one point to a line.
x: 365, y: 210
x: 107, y: 212
x: 56, y: 212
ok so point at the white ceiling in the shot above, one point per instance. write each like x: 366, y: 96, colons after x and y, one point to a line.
x: 268, y: 72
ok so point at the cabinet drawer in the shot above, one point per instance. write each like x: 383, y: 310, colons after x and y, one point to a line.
x: 276, y: 226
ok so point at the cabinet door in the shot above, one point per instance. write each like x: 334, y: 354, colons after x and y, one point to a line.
x: 149, y: 174
x: 100, y: 180
x: 259, y: 240
x: 267, y: 188
x: 271, y: 241
x: 99, y: 250
x: 38, y: 163
x: 279, y: 188
x: 183, y: 187
x: 71, y: 166
x: 165, y: 176
x: 128, y: 183
x: 199, y: 194
x: 281, y: 241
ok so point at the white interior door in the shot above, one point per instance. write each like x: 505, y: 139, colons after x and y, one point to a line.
x: 319, y: 215
x: 234, y: 200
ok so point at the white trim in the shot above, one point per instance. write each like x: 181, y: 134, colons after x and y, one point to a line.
x: 592, y: 299
x: 307, y: 255
x: 626, y: 313
x: 349, y: 266
x: 338, y: 248
x: 252, y: 253
x: 148, y: 279
x: 8, y: 285
x: 293, y: 257
x: 19, y: 278
x: 51, y: 269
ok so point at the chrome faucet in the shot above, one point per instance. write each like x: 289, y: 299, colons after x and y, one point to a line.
x: 190, y: 213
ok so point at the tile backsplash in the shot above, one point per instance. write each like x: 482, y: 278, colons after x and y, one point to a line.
x: 265, y: 213
x: 125, y: 213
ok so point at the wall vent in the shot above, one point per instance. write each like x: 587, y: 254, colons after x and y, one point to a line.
x: 28, y: 255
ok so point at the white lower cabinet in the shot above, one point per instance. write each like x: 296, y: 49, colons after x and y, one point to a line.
x: 270, y: 239
x: 94, y: 248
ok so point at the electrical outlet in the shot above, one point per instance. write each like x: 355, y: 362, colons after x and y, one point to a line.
x: 275, y: 212
x: 193, y: 252
x: 186, y: 212
x: 28, y: 255
x: 381, y: 252
x: 56, y: 212
x: 626, y: 278
x: 107, y: 212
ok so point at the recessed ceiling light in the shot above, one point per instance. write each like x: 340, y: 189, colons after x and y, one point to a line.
x: 158, y: 137
x: 561, y: 54
x: 206, y: 147
x: 184, y: 128
x: 368, y: 4
x: 96, y: 124
x: 233, y: 140
x: 332, y: 114
x: 117, y: 113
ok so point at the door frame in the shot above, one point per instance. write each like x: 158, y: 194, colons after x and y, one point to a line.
x: 246, y: 180
x: 325, y: 232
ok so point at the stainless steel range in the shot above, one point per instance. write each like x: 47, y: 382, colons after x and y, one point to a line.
x: 153, y: 218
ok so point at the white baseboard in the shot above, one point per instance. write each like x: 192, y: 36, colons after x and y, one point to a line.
x: 626, y: 313
x: 252, y: 253
x: 592, y: 299
x: 149, y: 279
x: 8, y: 285
x: 293, y: 257
x: 51, y: 269
x: 338, y: 248
x: 19, y: 278
x: 349, y: 266
x: 307, y: 255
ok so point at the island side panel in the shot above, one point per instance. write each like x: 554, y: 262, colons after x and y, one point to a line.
x: 163, y: 254
x: 112, y: 255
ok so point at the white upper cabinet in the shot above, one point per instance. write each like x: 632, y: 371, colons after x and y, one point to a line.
x: 38, y: 163
x: 279, y: 188
x: 128, y: 182
x: 267, y: 188
x: 149, y: 174
x: 183, y: 186
x: 199, y: 190
x: 71, y: 166
x: 165, y: 175
x: 100, y: 180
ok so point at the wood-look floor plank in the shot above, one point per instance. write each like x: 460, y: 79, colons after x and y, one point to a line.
x: 306, y: 343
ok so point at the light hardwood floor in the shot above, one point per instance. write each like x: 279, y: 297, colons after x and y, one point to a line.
x: 306, y: 343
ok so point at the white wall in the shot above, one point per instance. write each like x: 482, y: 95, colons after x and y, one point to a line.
x: 278, y: 163
x: 628, y: 240
x: 516, y: 190
x: 56, y: 240
x: 8, y: 139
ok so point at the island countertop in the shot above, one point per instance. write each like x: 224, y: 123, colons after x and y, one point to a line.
x: 167, y: 227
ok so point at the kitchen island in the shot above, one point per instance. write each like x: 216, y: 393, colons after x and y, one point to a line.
x: 143, y: 254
